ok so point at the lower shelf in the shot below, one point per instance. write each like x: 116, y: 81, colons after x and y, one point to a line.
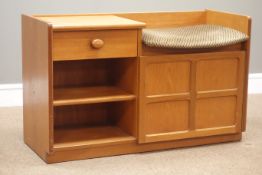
x: 82, y: 137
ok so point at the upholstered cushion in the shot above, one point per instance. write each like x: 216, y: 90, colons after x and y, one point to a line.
x: 197, y: 36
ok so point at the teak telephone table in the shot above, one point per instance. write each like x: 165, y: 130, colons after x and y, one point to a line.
x: 93, y: 89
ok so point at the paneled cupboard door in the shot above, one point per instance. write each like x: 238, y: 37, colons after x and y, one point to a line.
x: 193, y: 95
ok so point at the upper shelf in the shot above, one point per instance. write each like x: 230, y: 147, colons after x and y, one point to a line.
x: 92, y: 22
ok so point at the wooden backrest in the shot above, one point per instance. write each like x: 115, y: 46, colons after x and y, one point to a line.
x: 167, y: 19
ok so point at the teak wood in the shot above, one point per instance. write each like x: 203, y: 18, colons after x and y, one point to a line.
x: 195, y: 95
x: 93, y: 89
x: 37, y: 85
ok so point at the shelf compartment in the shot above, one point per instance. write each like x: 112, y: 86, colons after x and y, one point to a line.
x: 88, y: 95
x: 96, y: 124
x: 82, y: 137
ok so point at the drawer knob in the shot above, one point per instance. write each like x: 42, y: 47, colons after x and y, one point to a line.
x: 97, y: 43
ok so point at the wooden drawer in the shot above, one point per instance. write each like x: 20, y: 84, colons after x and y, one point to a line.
x: 77, y: 45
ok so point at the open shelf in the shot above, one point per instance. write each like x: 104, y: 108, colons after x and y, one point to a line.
x: 94, y: 81
x: 79, y: 137
x: 87, y: 95
x: 95, y: 124
x: 94, y: 103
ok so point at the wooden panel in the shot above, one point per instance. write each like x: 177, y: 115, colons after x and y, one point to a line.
x: 215, y: 112
x: 124, y: 115
x: 74, y: 73
x: 234, y: 21
x: 211, y: 76
x: 37, y: 85
x: 166, y: 117
x: 124, y: 74
x: 95, y: 22
x: 246, y: 73
x: 167, y: 19
x: 223, y: 80
x: 167, y: 77
x: 161, y: 87
x: 83, y: 115
x: 217, y: 74
x: 110, y: 150
x: 87, y: 95
x: 77, y: 45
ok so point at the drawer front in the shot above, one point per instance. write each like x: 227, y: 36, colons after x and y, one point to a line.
x: 78, y: 45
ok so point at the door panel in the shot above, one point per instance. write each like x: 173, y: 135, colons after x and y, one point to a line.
x: 167, y: 78
x: 217, y: 74
x: 166, y: 117
x: 192, y: 95
x: 215, y: 112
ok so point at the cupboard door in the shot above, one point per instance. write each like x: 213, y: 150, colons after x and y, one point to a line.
x: 186, y: 96
x: 219, y: 93
x: 164, y: 98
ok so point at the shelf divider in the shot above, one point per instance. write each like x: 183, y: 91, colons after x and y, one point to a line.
x: 89, y: 95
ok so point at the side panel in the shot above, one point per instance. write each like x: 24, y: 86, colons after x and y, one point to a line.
x: 193, y: 95
x: 241, y: 23
x: 37, y: 83
x: 235, y: 21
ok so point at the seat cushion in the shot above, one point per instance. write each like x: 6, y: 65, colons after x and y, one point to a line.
x: 197, y: 36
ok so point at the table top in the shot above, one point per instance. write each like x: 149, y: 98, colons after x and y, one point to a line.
x: 90, y: 22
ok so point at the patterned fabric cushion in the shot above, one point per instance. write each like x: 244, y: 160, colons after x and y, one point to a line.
x: 197, y: 36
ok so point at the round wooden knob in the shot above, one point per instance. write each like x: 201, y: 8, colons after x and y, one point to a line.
x: 97, y: 43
